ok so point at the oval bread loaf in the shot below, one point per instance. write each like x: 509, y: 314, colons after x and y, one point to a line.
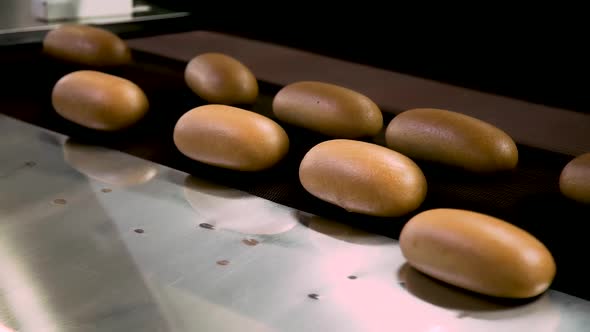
x: 230, y: 137
x: 363, y: 177
x: 86, y: 45
x: 221, y: 79
x: 328, y: 109
x: 574, y: 181
x: 477, y: 252
x: 99, y: 101
x: 453, y: 139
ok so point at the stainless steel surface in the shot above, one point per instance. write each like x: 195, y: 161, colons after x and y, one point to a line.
x: 16, y: 17
x: 97, y: 240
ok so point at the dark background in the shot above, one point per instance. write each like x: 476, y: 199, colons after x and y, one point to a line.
x: 541, y: 58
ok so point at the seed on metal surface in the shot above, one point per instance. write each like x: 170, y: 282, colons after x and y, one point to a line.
x: 250, y: 242
x: 352, y: 277
x: 60, y: 201
x: 462, y: 315
x: 106, y: 190
x: 139, y: 231
x: 30, y: 164
x: 223, y: 262
x: 206, y: 226
x: 313, y: 296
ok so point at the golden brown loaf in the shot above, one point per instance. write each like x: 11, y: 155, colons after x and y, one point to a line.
x: 574, y: 181
x: 221, y: 79
x: 477, y: 252
x: 86, y: 45
x: 363, y: 178
x: 230, y: 137
x: 328, y: 109
x: 453, y: 139
x: 99, y: 101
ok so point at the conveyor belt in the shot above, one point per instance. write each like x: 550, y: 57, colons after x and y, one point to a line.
x: 528, y: 197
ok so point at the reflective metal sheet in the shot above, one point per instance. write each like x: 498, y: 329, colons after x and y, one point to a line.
x: 16, y: 16
x: 97, y: 240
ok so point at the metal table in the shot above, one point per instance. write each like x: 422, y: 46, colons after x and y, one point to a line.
x: 19, y: 26
x: 93, y: 239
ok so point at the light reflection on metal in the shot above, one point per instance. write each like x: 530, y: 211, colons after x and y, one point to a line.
x: 22, y: 292
x: 81, y: 267
x: 106, y: 166
x: 237, y: 211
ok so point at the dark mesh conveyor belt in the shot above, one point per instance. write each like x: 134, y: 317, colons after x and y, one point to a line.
x: 528, y: 197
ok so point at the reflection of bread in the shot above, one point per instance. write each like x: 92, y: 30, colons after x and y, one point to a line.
x: 493, y: 314
x: 106, y: 165
x: 341, y: 250
x: 230, y: 209
x: 443, y: 295
x: 541, y: 315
